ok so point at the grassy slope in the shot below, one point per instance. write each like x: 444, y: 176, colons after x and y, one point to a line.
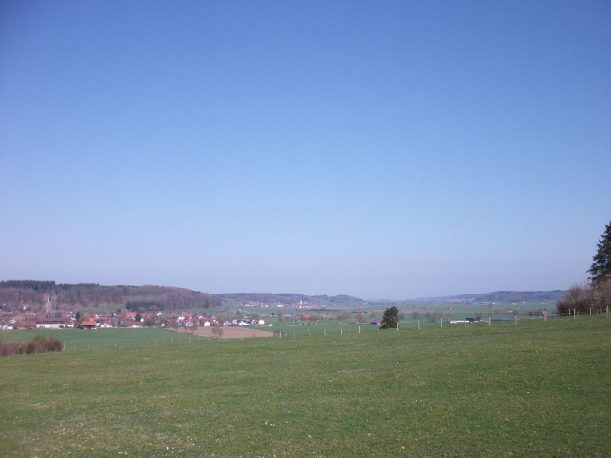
x: 536, y: 389
x: 81, y: 339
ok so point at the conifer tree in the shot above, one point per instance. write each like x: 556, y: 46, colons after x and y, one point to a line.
x: 390, y: 318
x: 600, y: 271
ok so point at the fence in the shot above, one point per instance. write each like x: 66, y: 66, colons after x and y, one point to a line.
x: 128, y: 338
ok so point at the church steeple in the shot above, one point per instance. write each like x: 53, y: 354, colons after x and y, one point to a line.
x: 48, y: 306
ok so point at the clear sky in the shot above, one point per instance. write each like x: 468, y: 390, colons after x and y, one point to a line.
x: 375, y: 148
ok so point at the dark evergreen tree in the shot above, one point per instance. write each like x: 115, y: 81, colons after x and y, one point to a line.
x: 600, y: 271
x: 390, y: 318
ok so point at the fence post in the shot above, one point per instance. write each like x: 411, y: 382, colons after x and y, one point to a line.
x: 418, y: 324
x: 442, y: 322
x: 359, y: 329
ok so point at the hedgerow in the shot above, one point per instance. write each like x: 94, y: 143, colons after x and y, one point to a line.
x: 39, y: 344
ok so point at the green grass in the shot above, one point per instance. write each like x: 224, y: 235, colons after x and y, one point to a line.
x: 78, y: 339
x: 321, y: 328
x: 535, y: 389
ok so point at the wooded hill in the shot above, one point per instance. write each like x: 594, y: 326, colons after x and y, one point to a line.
x: 14, y: 294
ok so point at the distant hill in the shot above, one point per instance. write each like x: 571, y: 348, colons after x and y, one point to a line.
x: 289, y: 298
x: 502, y: 297
x: 14, y: 294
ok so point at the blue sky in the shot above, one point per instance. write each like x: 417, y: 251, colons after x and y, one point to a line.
x: 381, y: 149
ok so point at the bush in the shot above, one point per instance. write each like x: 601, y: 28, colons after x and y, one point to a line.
x: 39, y: 344
x: 7, y: 349
x: 582, y: 299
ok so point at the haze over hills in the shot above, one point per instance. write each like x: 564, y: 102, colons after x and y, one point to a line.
x: 15, y: 294
x: 503, y: 297
x: 291, y: 298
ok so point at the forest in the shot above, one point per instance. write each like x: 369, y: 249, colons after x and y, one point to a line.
x: 15, y: 294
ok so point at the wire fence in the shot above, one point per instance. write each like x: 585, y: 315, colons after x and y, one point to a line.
x: 322, y: 329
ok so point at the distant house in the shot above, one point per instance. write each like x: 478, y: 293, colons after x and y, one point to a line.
x: 50, y: 325
x: 88, y: 323
x: 25, y: 324
x: 51, y: 320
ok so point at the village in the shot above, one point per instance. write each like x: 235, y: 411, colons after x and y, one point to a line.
x: 50, y: 316
x: 58, y: 319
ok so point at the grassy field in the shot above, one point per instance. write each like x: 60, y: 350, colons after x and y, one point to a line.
x: 78, y: 339
x: 338, y: 327
x: 532, y: 389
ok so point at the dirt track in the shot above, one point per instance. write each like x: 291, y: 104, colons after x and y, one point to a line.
x: 230, y: 332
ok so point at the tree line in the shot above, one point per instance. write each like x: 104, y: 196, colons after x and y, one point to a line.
x: 595, y: 295
x: 14, y: 294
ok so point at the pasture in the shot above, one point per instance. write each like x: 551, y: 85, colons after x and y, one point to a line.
x: 78, y: 339
x: 532, y: 389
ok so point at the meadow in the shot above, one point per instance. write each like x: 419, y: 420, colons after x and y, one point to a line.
x: 78, y: 339
x: 533, y: 389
